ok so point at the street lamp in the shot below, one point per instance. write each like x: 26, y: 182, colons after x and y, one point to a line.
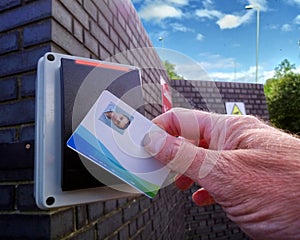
x: 257, y: 35
x: 161, y: 39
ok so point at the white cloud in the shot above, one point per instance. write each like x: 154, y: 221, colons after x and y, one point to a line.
x: 232, y: 21
x: 224, y: 20
x: 217, y: 68
x: 297, y: 20
x: 198, y: 71
x: 216, y: 61
x: 192, y: 71
x: 180, y: 27
x: 274, y: 26
x: 229, y: 21
x: 157, y: 12
x: 207, y: 4
x: 246, y: 76
x: 179, y: 2
x: 214, y: 67
x: 210, y: 14
x: 286, y: 28
x: 199, y: 37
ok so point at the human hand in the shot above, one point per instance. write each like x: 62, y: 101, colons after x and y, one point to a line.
x: 251, y: 169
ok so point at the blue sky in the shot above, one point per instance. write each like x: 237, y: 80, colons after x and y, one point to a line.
x: 219, y: 36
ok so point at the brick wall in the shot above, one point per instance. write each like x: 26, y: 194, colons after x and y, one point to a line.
x: 100, y: 29
x: 211, y: 96
x: 24, y: 37
x: 210, y: 222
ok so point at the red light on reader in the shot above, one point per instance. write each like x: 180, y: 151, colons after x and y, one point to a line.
x: 103, y: 65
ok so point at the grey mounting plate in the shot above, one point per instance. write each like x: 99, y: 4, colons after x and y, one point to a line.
x: 48, y: 147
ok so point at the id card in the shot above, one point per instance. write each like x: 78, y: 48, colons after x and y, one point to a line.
x: 111, y: 136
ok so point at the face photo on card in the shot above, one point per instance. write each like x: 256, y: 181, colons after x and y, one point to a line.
x: 116, y: 118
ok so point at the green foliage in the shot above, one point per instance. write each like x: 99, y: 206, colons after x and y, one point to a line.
x: 170, y: 68
x: 283, y: 97
x: 284, y: 68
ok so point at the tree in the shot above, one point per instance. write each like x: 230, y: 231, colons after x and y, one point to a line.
x: 283, y: 97
x: 284, y: 68
x: 170, y: 68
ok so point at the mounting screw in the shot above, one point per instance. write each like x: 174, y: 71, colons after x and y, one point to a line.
x: 50, y: 57
x: 50, y: 201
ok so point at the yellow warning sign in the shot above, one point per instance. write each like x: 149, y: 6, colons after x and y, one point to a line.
x: 236, y: 110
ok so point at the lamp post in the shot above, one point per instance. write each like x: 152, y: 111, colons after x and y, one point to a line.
x: 257, y: 35
x: 161, y: 39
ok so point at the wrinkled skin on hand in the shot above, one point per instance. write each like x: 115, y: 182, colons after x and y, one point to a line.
x: 251, y: 169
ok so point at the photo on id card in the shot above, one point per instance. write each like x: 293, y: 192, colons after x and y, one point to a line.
x: 111, y: 136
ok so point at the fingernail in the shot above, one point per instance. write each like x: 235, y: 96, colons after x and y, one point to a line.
x: 147, y: 140
x: 154, y: 141
x: 203, y: 198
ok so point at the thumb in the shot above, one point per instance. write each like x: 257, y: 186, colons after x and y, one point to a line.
x: 177, y: 153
